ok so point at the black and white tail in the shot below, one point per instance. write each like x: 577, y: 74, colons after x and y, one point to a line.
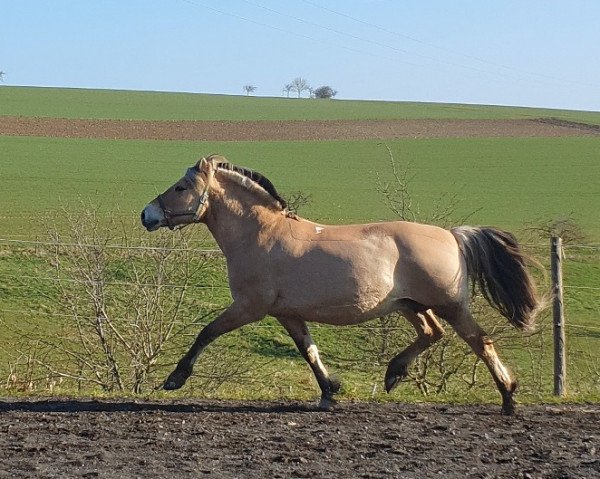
x: 498, y: 266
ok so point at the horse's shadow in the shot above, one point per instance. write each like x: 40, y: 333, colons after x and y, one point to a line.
x: 118, y: 406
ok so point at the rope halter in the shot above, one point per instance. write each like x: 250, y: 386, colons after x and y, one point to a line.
x: 196, y: 210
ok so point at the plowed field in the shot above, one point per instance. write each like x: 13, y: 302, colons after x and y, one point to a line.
x: 289, y: 130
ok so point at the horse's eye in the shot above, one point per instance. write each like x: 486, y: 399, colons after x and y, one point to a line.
x: 180, y: 188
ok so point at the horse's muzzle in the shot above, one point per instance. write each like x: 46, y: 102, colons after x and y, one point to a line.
x: 149, y: 221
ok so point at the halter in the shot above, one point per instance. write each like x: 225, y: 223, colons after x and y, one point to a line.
x: 197, y: 210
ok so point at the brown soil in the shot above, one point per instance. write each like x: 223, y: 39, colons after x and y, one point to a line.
x: 288, y: 130
x: 67, y: 438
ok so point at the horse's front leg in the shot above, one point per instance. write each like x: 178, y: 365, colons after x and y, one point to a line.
x: 235, y: 316
x: 298, y: 330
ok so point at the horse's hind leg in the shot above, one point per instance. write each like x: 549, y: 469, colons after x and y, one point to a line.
x: 429, y: 331
x: 298, y: 330
x: 463, y: 323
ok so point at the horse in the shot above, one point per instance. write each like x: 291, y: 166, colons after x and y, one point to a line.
x: 298, y: 271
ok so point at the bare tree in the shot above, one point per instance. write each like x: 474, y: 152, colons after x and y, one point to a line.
x: 249, y: 89
x: 296, y: 200
x: 299, y: 85
x: 288, y: 87
x: 2, y: 74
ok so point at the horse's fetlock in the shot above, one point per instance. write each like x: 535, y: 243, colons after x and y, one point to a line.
x: 334, y: 385
x: 437, y: 334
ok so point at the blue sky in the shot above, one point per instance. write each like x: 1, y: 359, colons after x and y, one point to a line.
x: 530, y: 53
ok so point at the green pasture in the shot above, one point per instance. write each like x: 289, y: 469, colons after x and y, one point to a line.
x: 79, y: 103
x: 506, y: 182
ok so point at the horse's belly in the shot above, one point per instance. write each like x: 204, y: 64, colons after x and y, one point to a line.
x: 337, y: 314
x: 338, y: 291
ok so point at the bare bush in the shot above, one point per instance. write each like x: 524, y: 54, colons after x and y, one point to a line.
x: 297, y: 200
x: 120, y: 304
x: 564, y: 227
x: 397, y: 194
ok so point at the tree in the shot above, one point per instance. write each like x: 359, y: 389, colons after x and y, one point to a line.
x: 2, y: 75
x: 325, y: 92
x: 288, y: 87
x: 249, y: 89
x: 299, y: 85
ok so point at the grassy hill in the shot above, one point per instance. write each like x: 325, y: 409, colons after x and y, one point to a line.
x: 80, y: 103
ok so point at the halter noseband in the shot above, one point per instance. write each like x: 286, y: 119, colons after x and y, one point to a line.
x: 195, y: 212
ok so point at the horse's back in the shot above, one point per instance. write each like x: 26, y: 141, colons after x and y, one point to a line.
x: 354, y: 272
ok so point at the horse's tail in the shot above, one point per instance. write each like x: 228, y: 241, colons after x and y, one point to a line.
x: 496, y: 263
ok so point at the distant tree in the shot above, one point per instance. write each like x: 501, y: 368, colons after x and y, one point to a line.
x: 299, y: 85
x: 288, y: 87
x: 325, y: 92
x: 2, y: 75
x: 249, y: 89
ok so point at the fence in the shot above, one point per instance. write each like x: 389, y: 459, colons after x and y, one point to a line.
x: 11, y: 282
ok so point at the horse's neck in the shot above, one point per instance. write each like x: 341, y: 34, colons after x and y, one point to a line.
x: 237, y: 226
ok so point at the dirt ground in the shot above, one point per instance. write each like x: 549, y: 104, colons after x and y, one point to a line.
x: 67, y: 438
x: 289, y: 130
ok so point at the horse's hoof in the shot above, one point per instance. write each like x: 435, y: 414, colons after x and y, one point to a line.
x: 392, y: 379
x: 508, y: 409
x: 171, y: 386
x: 508, y: 403
x: 391, y: 382
x: 175, y: 380
x: 326, y: 404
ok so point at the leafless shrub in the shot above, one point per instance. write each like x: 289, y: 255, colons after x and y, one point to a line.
x: 564, y: 227
x: 120, y: 304
x: 396, y: 192
x: 297, y: 200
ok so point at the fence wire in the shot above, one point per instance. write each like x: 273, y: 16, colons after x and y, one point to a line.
x: 585, y: 336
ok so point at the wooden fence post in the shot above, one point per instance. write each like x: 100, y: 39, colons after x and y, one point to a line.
x: 558, y: 317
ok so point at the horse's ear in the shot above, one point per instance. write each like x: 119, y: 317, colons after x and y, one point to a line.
x: 201, y: 165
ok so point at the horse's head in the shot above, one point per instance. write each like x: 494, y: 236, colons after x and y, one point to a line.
x: 183, y: 203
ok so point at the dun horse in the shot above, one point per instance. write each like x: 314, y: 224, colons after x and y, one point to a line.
x: 298, y: 271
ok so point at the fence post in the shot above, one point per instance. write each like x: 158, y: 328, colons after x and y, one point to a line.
x: 558, y: 317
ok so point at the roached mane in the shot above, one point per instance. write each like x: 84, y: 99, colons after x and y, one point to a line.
x: 256, y: 177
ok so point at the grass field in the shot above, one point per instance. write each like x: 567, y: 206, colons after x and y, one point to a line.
x: 74, y: 103
x: 508, y: 182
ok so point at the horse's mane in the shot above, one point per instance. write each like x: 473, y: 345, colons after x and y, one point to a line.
x: 256, y: 178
